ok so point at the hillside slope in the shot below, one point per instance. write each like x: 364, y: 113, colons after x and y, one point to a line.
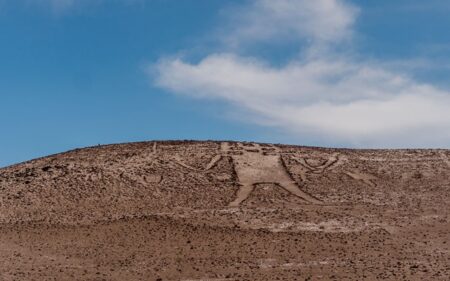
x: 226, y: 211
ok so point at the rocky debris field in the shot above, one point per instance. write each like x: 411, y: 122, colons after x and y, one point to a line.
x: 190, y: 210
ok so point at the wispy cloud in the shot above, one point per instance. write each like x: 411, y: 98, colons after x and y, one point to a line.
x: 267, y: 20
x: 328, y: 96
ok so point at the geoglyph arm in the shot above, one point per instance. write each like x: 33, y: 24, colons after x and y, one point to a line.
x: 180, y: 162
x: 209, y: 166
x: 213, y: 162
x: 302, y: 161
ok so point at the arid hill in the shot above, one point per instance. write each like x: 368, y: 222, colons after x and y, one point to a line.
x: 226, y: 211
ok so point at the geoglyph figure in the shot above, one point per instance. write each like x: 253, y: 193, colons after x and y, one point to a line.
x: 255, y: 165
x: 261, y: 164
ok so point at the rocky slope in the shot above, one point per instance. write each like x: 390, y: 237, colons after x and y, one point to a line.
x: 226, y: 211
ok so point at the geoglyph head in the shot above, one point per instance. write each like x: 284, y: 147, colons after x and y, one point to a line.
x: 241, y: 148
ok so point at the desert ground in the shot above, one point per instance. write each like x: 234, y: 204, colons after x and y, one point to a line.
x: 216, y: 211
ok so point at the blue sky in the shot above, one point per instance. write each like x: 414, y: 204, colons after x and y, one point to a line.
x: 80, y: 73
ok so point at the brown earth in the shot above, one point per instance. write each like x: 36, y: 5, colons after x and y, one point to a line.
x: 226, y: 211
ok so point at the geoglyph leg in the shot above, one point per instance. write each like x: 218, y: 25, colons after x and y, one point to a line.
x: 293, y: 188
x: 242, y: 194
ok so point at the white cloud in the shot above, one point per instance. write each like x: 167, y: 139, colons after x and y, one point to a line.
x: 329, y: 97
x: 318, y: 20
x: 347, y: 102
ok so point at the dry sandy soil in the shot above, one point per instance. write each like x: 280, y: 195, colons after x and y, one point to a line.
x: 226, y: 211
